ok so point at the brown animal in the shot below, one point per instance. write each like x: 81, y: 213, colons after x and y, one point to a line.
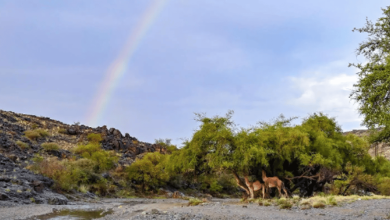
x: 253, y: 187
x: 273, y: 182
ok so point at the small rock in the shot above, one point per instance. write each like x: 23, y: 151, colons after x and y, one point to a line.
x: 155, y: 212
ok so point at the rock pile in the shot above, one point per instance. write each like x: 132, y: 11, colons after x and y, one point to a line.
x: 18, y: 185
x: 21, y: 186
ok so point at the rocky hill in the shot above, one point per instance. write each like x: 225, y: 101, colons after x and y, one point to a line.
x: 382, y: 149
x: 22, y: 136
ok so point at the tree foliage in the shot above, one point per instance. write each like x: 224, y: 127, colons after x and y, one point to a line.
x: 372, y: 91
x: 149, y: 171
x: 278, y: 147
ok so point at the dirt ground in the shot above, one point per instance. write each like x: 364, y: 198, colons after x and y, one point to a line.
x: 215, y: 209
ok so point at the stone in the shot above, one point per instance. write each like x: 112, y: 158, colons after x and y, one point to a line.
x: 155, y: 212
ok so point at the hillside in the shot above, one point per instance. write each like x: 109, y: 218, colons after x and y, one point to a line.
x: 381, y: 149
x: 21, y: 139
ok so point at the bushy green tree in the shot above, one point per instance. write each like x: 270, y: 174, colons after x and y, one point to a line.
x: 149, y: 171
x: 372, y: 91
x: 314, y: 150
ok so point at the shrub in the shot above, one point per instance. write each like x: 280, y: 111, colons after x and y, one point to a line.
x: 215, y: 187
x: 67, y: 175
x: 22, y: 145
x: 42, y: 132
x: 281, y: 201
x: 32, y: 135
x: 94, y: 138
x: 105, y: 160
x: 286, y: 205
x: 128, y: 193
x: 149, y: 171
x: 194, y: 201
x: 266, y: 203
x: 319, y: 204
x: 331, y: 201
x: 100, y: 188
x: 305, y: 204
x: 50, y: 146
x: 83, y: 189
x: 383, y: 185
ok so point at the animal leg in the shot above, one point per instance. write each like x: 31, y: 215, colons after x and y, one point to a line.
x: 280, y: 193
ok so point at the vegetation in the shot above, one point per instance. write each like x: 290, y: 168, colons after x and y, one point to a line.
x: 83, y: 174
x: 32, y: 135
x: 62, y: 131
x: 315, y: 149
x: 37, y: 133
x: 22, y: 145
x: 149, y: 171
x: 319, y: 204
x: 372, y: 89
x: 50, y: 146
x: 167, y: 144
x: 194, y: 202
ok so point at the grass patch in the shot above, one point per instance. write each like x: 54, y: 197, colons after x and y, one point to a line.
x: 62, y: 131
x: 194, y: 201
x: 83, y: 188
x: 50, y: 146
x: 22, y: 145
x: 267, y: 203
x: 42, y: 132
x: 305, y: 204
x: 284, y: 203
x: 34, y: 134
x: 320, y: 204
x: 336, y: 200
x: 331, y: 201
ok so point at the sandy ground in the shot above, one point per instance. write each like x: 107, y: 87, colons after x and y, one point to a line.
x: 216, y: 209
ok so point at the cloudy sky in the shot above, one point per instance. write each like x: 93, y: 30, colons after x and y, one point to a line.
x: 258, y: 58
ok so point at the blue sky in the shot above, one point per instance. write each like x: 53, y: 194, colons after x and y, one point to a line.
x: 258, y: 58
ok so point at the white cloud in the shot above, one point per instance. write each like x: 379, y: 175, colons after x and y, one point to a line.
x: 327, y: 90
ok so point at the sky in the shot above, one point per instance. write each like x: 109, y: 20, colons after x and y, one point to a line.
x: 180, y: 57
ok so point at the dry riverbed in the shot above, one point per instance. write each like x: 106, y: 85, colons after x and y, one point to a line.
x: 178, y: 209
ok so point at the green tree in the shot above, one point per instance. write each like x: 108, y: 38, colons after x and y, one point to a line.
x: 149, y: 171
x: 372, y: 91
x: 315, y: 150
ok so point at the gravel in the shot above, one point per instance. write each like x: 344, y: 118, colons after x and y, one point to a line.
x: 144, y: 209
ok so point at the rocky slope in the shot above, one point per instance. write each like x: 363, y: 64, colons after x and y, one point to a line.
x: 18, y: 184
x: 382, y: 149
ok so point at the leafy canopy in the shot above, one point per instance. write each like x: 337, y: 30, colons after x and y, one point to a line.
x: 372, y: 91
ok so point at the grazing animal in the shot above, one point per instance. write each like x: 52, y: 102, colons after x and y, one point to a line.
x: 254, y: 186
x: 273, y: 182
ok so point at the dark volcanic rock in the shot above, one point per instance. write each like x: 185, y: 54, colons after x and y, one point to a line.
x: 22, y: 186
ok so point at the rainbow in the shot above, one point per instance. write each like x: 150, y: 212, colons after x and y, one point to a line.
x: 118, y: 68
